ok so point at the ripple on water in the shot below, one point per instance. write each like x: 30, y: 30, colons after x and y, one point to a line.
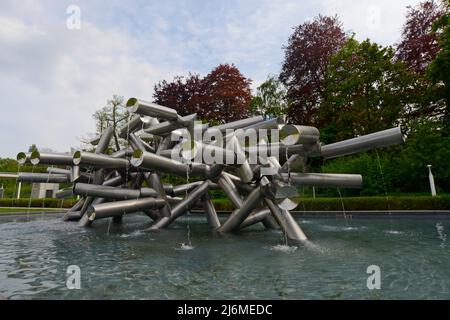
x: 284, y: 248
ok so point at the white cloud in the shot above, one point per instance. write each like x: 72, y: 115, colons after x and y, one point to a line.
x: 52, y: 79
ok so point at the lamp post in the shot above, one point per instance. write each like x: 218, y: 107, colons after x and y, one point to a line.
x: 431, y: 178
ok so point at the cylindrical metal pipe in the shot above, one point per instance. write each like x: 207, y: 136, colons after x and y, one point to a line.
x: 367, y: 142
x: 292, y: 134
x: 117, y: 208
x: 210, y: 212
x: 152, y: 161
x: 42, y: 177
x: 325, y: 180
x: 135, y: 123
x: 256, y: 216
x: 105, y: 138
x: 64, y: 193
x: 23, y: 157
x: 286, y: 222
x: 181, y: 207
x: 238, y: 124
x: 239, y: 215
x: 51, y: 158
x: 87, y: 159
x: 151, y: 109
x: 155, y: 183
x: 102, y: 191
x: 58, y: 171
x: 227, y: 185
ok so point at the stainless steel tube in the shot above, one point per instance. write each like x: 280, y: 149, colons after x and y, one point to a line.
x: 42, y: 177
x: 155, y: 183
x: 293, y: 134
x: 256, y: 216
x: 286, y: 222
x: 325, y: 180
x: 117, y: 208
x: 84, y: 189
x: 105, y: 138
x: 367, y: 142
x: 87, y: 159
x: 152, y: 161
x: 181, y: 207
x: 146, y: 108
x: 239, y: 215
x: 210, y: 211
x: 51, y: 158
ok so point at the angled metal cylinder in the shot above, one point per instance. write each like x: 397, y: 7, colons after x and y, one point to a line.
x: 286, y: 222
x: 292, y: 134
x: 23, y: 157
x: 165, y: 128
x: 155, y: 183
x: 72, y: 216
x: 237, y: 124
x: 101, y: 191
x: 117, y: 208
x: 210, y: 211
x: 58, y: 171
x: 239, y: 215
x: 256, y: 216
x: 64, y: 193
x: 363, y: 143
x: 51, y: 158
x: 182, y: 189
x: 152, y: 161
x: 114, y: 181
x: 105, y: 138
x: 180, y: 208
x: 87, y: 159
x: 42, y: 177
x: 122, y: 153
x: 227, y: 185
x: 136, y: 122
x: 146, y: 108
x: 324, y: 180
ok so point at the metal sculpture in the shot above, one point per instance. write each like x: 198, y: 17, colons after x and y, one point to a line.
x: 253, y: 173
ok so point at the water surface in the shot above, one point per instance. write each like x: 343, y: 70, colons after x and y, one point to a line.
x: 123, y: 262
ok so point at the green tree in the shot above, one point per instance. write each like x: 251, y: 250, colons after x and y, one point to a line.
x: 270, y: 100
x: 439, y: 69
x: 113, y: 114
x: 365, y: 91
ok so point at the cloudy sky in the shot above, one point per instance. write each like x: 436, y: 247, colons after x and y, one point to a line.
x: 54, y: 75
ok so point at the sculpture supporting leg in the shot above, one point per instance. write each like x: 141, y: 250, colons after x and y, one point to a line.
x: 286, y: 222
x: 239, y: 215
x: 255, y: 217
x: 181, y: 208
x: 210, y: 212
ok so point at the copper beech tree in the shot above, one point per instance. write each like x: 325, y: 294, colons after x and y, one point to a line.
x: 307, y: 56
x: 419, y: 45
x: 223, y: 95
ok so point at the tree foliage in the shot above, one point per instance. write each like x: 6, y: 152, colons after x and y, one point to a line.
x: 307, y: 55
x: 419, y: 45
x: 364, y: 92
x: 270, y: 100
x: 222, y: 96
x: 113, y: 114
x: 439, y: 69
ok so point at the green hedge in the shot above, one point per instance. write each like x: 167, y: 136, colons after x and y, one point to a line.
x: 362, y: 203
x: 308, y: 204
x: 37, y: 203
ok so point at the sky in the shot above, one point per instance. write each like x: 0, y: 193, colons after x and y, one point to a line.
x: 60, y: 61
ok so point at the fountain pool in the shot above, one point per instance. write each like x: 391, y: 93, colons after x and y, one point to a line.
x: 127, y: 263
